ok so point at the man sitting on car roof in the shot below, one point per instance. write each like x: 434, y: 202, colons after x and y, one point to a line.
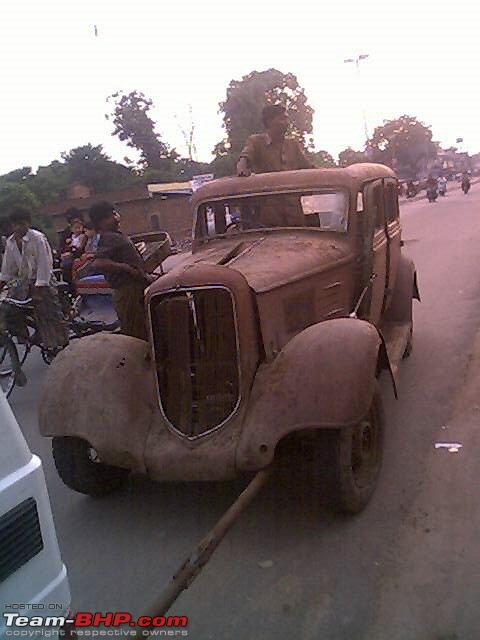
x: 272, y: 151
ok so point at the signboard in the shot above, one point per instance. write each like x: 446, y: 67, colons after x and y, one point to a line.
x: 197, y: 181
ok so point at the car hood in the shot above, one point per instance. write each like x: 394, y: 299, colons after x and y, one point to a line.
x: 270, y: 259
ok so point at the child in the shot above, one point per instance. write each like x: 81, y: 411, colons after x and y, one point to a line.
x: 73, y: 248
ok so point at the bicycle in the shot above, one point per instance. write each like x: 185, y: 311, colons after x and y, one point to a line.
x: 14, y: 350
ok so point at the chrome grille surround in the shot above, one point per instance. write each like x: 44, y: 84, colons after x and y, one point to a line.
x: 191, y: 297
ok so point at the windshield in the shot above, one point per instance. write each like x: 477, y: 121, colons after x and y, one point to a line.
x: 326, y: 210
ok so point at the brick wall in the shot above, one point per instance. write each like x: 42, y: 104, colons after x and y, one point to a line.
x: 171, y: 213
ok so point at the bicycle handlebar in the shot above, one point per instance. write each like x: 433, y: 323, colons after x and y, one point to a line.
x: 17, y: 303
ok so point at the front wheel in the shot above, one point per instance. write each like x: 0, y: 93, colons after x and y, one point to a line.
x: 12, y: 357
x: 350, y: 460
x: 79, y: 468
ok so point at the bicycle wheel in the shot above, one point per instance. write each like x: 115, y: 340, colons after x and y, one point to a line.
x: 12, y: 357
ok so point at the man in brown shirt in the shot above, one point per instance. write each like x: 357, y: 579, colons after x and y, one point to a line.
x: 272, y: 151
x: 118, y: 259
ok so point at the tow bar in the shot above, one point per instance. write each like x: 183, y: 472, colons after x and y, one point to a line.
x: 195, y: 562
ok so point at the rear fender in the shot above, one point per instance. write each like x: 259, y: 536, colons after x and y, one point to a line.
x: 406, y: 288
x: 101, y: 389
x: 324, y: 378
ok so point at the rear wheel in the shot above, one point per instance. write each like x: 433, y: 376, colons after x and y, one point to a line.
x: 80, y: 469
x: 349, y: 460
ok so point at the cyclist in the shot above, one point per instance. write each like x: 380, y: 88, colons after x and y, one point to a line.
x: 27, y: 272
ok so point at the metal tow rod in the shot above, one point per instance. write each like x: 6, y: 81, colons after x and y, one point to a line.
x: 195, y: 562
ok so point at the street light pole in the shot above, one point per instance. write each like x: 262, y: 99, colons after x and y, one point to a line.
x: 357, y: 61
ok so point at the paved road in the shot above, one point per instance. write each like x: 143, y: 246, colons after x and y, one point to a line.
x: 374, y: 577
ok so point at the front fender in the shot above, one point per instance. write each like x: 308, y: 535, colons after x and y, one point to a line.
x: 323, y: 378
x: 101, y: 389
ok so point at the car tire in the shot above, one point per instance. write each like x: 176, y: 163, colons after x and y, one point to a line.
x: 349, y: 460
x: 76, y: 465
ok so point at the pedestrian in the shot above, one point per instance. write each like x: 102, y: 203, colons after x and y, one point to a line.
x: 119, y: 261
x: 272, y: 150
x: 27, y: 271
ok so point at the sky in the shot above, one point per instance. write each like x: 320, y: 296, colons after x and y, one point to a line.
x: 55, y: 73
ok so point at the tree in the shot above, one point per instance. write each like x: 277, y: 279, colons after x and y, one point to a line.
x: 50, y: 182
x: 322, y: 159
x: 14, y: 195
x: 90, y: 166
x: 350, y: 156
x: 134, y: 126
x: 404, y: 144
x: 242, y: 110
x: 17, y: 175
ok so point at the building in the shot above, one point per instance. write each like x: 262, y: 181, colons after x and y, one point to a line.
x: 155, y: 207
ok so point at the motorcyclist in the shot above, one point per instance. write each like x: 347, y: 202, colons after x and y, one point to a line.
x: 442, y: 185
x: 411, y: 189
x: 465, y: 182
x: 432, y: 193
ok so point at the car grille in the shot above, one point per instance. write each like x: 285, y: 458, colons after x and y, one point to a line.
x: 20, y: 537
x: 196, y: 353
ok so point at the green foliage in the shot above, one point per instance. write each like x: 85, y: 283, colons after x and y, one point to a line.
x: 133, y: 125
x: 13, y: 195
x: 17, y: 175
x: 242, y: 111
x: 322, y: 159
x: 90, y: 166
x: 405, y: 144
x: 50, y: 183
x: 350, y: 156
x: 181, y: 170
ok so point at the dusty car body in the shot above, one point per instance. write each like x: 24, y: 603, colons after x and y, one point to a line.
x: 294, y: 299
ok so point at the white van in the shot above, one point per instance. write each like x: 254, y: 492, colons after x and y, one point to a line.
x: 33, y: 578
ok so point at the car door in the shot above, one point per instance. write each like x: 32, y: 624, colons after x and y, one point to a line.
x: 394, y: 232
x: 377, y: 236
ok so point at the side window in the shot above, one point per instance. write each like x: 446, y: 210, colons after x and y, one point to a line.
x: 391, y: 201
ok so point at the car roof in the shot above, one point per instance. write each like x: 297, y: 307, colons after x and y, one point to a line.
x: 352, y: 177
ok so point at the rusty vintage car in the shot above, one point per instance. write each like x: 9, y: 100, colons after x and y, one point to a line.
x: 275, y: 327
